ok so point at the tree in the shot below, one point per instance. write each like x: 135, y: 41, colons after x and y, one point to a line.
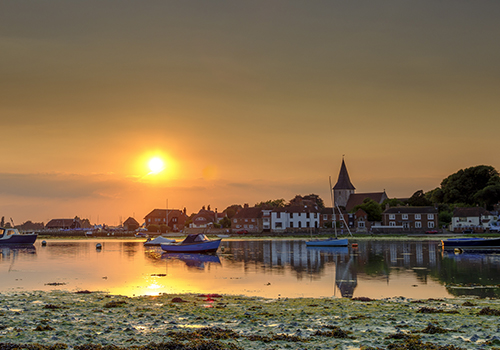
x: 464, y: 185
x: 276, y: 203
x: 232, y: 210
x: 392, y: 202
x: 316, y: 199
x: 225, y: 222
x: 488, y: 196
x: 418, y: 199
x: 372, y: 208
x: 153, y: 228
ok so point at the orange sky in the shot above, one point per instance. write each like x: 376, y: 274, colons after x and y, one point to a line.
x: 246, y: 101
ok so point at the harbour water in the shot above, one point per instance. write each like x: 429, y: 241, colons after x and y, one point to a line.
x: 267, y: 268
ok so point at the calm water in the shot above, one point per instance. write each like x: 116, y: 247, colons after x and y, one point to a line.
x: 376, y: 269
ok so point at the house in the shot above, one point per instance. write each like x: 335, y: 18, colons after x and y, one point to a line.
x: 476, y: 219
x: 329, y: 217
x: 63, y: 224
x: 131, y: 224
x: 206, y: 218
x: 295, y: 218
x: 174, y: 218
x: 250, y: 219
x: 344, y: 192
x: 411, y: 218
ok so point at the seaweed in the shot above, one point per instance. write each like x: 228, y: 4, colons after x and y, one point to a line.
x: 489, y: 312
x: 115, y: 304
x: 334, y: 332
x: 431, y: 310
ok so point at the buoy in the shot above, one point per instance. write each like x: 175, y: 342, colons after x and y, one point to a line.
x: 98, y: 246
x: 458, y: 250
x: 354, y: 245
x: 44, y: 243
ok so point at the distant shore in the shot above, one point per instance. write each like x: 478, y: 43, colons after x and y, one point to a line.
x: 76, y: 320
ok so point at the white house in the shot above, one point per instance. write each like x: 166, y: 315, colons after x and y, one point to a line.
x: 295, y: 218
x: 474, y: 218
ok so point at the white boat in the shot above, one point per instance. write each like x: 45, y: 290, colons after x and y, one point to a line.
x: 158, y: 241
x: 13, y: 236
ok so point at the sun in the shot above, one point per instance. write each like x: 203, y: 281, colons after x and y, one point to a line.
x: 156, y: 165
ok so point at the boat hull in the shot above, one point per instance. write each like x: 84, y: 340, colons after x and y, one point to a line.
x: 202, y: 247
x: 344, y: 242
x: 468, y: 243
x: 19, y: 239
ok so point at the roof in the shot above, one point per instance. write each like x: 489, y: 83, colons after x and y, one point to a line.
x: 329, y: 211
x: 249, y: 213
x: 358, y: 198
x: 131, y: 220
x: 162, y: 213
x: 343, y: 182
x: 411, y: 210
x: 470, y: 212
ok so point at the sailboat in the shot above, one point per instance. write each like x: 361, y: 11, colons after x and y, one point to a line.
x: 332, y: 242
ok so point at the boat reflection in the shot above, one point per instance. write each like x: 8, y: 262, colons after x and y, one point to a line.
x: 13, y: 251
x: 329, y: 250
x: 475, y: 273
x: 193, y: 260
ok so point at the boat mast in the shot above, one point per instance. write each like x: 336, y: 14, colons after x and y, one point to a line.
x: 334, y: 223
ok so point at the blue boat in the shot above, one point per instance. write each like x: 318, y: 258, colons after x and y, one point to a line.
x: 471, y: 243
x: 333, y: 242
x: 193, y: 243
x: 12, y: 236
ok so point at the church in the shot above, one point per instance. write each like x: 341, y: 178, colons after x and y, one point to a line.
x: 344, y: 192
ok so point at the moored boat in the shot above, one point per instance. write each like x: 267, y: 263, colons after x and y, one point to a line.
x: 193, y: 243
x: 158, y: 241
x: 13, y: 236
x: 471, y: 243
x: 332, y: 242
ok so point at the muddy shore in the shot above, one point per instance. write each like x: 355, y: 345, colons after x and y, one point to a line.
x: 93, y: 320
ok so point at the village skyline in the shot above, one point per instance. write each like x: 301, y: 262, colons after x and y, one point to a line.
x: 248, y: 100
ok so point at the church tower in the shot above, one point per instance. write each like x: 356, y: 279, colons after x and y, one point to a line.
x: 343, y: 188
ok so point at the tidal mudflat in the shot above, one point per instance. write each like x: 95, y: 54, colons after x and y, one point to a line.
x: 93, y: 320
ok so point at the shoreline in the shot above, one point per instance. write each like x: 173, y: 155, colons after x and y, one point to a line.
x: 238, y: 322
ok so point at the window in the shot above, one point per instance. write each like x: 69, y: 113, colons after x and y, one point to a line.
x: 418, y: 224
x: 307, y: 224
x: 291, y: 225
x: 430, y: 224
x: 325, y: 217
x: 253, y: 220
x: 392, y: 223
x: 361, y: 224
x: 278, y: 224
x: 430, y: 216
x: 307, y: 215
x: 291, y: 215
x: 417, y: 217
x: 405, y: 216
x: 392, y: 216
x: 406, y: 224
x: 235, y: 221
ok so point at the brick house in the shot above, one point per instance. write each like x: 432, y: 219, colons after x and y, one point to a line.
x: 176, y: 218
x: 131, y: 224
x: 411, y: 218
x: 63, y: 224
x: 250, y: 219
x: 206, y: 218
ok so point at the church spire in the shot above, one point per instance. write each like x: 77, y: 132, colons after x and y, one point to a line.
x: 343, y: 182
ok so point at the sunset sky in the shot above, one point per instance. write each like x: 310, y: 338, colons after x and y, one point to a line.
x: 244, y: 101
